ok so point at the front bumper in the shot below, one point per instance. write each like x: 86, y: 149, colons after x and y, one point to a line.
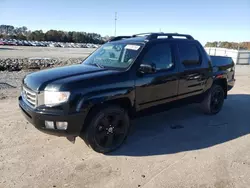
x: 37, y: 118
x: 231, y: 84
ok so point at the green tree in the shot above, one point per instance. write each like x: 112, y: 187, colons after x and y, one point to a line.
x: 22, y: 33
x: 70, y: 36
x: 52, y: 35
x: 37, y: 35
x: 21, y: 37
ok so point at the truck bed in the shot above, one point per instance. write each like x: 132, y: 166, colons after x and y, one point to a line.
x: 222, y: 61
x: 224, y: 66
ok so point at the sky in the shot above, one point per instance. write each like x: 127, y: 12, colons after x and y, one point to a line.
x: 205, y: 20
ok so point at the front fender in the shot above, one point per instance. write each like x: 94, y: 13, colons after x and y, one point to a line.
x: 89, y: 100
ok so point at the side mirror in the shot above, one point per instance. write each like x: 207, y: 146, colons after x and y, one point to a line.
x: 146, y: 69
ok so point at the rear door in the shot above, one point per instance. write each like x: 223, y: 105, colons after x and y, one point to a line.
x: 193, y: 69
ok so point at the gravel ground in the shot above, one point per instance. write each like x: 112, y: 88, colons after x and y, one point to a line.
x: 10, y: 83
x: 177, y: 148
x: 16, y: 58
x: 13, y: 79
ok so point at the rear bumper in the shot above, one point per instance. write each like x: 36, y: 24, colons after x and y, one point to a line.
x: 37, y: 118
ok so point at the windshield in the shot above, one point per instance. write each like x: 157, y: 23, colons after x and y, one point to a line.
x: 116, y: 55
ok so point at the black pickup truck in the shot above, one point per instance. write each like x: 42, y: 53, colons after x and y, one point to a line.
x: 128, y: 74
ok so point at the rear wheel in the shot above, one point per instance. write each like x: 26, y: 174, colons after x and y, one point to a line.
x: 107, y: 130
x: 214, y: 100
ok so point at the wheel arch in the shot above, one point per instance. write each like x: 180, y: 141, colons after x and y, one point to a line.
x: 223, y: 83
x: 124, y: 103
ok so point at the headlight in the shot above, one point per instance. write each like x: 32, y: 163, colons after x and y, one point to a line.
x: 52, y: 98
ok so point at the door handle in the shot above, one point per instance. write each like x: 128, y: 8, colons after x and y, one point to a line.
x: 197, y: 77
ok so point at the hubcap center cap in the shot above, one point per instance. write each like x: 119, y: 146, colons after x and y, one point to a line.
x: 110, y: 129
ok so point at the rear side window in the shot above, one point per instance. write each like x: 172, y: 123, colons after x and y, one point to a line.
x: 189, y: 54
x: 159, y: 55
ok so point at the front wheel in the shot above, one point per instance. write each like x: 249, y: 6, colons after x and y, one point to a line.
x: 214, y: 100
x: 107, y: 130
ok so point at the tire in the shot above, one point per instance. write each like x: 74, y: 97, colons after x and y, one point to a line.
x: 107, y: 129
x: 213, y: 101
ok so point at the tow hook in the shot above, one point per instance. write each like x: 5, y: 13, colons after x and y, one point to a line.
x: 72, y: 139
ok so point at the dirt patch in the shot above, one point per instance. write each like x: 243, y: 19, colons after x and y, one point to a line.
x: 9, y: 93
x: 6, y: 86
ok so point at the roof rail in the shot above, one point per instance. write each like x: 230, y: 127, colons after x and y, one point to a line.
x: 151, y: 36
x: 169, y: 35
x: 119, y: 38
x: 144, y: 34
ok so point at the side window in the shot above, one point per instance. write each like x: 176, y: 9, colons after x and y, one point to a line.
x: 159, y: 55
x: 189, y: 54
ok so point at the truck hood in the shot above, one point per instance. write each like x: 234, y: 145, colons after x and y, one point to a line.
x: 37, y: 81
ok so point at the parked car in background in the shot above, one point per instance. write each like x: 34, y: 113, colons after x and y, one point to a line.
x: 20, y: 43
x: 83, y: 46
x: 15, y: 42
x: 51, y: 45
x: 10, y: 43
x: 1, y: 42
x: 26, y: 43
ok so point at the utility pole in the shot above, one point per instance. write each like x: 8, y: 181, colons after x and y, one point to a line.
x: 115, y: 22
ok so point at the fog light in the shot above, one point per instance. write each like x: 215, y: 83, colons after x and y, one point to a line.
x: 49, y: 125
x: 61, y: 125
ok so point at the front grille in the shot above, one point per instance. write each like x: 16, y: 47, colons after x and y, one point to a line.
x: 30, y: 96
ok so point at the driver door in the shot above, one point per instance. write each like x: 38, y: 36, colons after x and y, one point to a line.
x: 162, y: 85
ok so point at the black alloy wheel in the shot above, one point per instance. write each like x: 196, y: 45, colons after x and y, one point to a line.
x: 107, y: 129
x: 217, y: 100
x: 214, y: 100
x: 111, y: 131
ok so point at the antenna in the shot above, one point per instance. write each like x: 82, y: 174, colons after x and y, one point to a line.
x: 115, y: 22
